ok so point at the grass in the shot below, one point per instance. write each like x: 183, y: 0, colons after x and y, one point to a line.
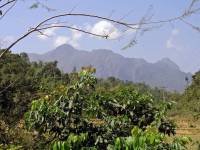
x: 188, y: 126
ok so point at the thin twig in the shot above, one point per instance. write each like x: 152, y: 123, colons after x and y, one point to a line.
x: 144, y: 21
x: 84, y: 15
x: 41, y: 24
x: 8, y: 9
x: 72, y: 28
x: 7, y: 3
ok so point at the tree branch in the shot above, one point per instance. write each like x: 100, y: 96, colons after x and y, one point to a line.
x: 42, y: 26
x: 47, y: 23
x: 8, y: 9
x: 7, y: 3
x: 73, y: 28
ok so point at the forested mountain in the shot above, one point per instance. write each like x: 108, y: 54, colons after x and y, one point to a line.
x: 163, y: 73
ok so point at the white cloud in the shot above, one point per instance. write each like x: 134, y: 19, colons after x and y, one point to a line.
x: 87, y: 26
x: 60, y: 40
x: 172, y: 42
x: 74, y: 43
x: 73, y: 39
x: 5, y: 41
x: 132, y: 30
x: 47, y: 33
x: 105, y: 28
x: 100, y: 28
x: 169, y: 43
x: 175, y: 32
x: 76, y: 34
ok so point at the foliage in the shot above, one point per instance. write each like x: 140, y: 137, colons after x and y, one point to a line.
x: 20, y: 82
x: 189, y: 101
x: 192, y: 94
x: 69, y: 112
x: 150, y: 139
x: 77, y: 110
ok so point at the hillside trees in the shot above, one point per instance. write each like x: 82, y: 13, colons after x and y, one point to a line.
x: 191, y: 95
x: 78, y: 116
x: 21, y: 81
x: 193, y: 91
x: 17, y: 84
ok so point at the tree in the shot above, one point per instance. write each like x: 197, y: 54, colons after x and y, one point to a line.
x: 78, y: 117
x: 21, y: 81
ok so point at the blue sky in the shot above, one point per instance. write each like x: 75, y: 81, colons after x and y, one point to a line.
x: 176, y: 41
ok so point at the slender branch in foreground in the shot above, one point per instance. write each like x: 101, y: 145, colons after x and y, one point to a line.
x: 3, y: 14
x: 86, y: 15
x: 73, y: 28
x: 43, y: 26
x: 14, y: 43
x: 7, y: 3
x: 47, y: 23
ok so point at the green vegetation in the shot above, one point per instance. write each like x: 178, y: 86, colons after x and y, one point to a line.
x: 44, y: 108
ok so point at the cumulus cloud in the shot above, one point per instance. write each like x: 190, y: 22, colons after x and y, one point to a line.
x: 175, y: 32
x: 73, y: 39
x: 171, y: 41
x: 131, y: 31
x: 105, y: 28
x: 48, y: 32
x: 5, y: 41
x: 76, y: 34
x: 100, y: 28
x: 60, y: 40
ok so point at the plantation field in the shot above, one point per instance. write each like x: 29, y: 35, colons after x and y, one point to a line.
x: 188, y: 126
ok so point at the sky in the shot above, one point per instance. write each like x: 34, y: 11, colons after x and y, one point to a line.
x: 174, y: 40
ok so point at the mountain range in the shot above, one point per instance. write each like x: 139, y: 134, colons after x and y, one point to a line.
x: 163, y: 73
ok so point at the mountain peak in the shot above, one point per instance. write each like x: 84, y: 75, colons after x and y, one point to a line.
x: 167, y: 60
x: 164, y: 73
x: 102, y: 50
x: 65, y: 46
x: 169, y: 63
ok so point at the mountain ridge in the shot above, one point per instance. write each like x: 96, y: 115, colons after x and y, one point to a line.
x: 163, y: 73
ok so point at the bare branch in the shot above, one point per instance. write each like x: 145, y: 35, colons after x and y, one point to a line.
x: 14, y: 43
x: 42, y: 26
x: 3, y: 14
x: 188, y: 12
x: 85, y: 15
x: 196, y: 28
x: 7, y: 3
x: 145, y: 21
x: 72, y: 28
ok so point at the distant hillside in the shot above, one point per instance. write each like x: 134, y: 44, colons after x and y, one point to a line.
x: 163, y: 73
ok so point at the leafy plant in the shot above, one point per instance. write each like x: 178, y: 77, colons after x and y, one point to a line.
x: 80, y: 117
x: 150, y: 139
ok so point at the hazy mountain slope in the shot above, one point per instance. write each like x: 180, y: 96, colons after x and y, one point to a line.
x: 163, y: 73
